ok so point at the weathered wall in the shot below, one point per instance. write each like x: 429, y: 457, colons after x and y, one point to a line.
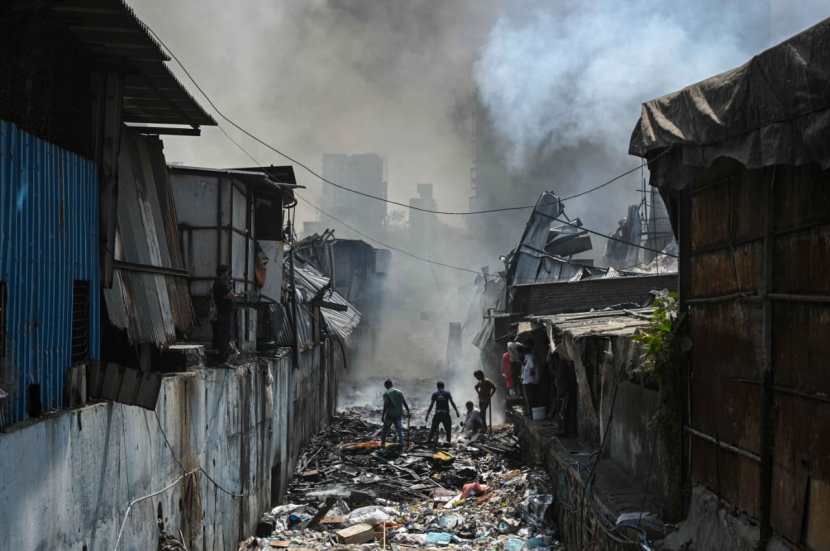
x: 66, y: 481
x: 581, y: 296
x: 759, y: 312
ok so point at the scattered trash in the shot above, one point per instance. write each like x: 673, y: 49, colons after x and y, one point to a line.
x: 438, y: 538
x: 508, y: 526
x: 372, y: 514
x: 534, y: 509
x: 359, y: 533
x: 473, y: 489
x: 349, y: 491
x: 450, y: 521
x: 514, y: 544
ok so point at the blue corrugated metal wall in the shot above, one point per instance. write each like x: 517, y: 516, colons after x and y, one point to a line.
x: 48, y: 239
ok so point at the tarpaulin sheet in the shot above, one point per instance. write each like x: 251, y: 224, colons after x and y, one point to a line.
x: 774, y: 109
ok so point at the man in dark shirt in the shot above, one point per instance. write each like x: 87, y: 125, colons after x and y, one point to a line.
x: 223, y: 301
x: 485, y: 390
x: 442, y: 400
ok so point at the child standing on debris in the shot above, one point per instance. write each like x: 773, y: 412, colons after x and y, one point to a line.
x: 441, y: 399
x: 393, y: 406
x: 485, y: 390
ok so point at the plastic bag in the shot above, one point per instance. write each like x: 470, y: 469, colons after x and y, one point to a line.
x: 534, y: 509
x: 372, y: 514
x: 438, y: 538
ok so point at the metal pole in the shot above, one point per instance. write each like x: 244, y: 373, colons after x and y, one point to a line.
x: 767, y: 373
x: 293, y: 285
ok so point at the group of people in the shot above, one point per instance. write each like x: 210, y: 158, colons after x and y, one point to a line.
x: 394, y: 406
x: 519, y: 363
x: 555, y: 390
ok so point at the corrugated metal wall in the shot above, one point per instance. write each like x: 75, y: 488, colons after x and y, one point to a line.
x: 48, y: 238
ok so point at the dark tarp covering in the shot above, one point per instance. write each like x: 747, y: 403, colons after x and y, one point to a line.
x: 774, y: 109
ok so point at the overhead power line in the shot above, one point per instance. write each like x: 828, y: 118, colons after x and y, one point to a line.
x: 387, y: 245
x: 349, y: 226
x: 605, y: 235
x: 356, y: 191
x: 412, y: 207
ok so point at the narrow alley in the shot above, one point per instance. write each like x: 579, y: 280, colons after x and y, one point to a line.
x: 479, y: 275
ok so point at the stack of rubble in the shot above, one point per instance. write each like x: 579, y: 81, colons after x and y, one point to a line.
x: 350, y: 493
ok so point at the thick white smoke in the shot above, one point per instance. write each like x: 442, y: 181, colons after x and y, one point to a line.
x: 572, y: 73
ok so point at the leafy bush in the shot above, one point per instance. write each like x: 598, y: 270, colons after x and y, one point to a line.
x: 657, y: 338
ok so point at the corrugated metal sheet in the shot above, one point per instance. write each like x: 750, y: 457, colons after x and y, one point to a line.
x: 530, y: 262
x: 581, y: 296
x: 151, y: 307
x: 48, y: 239
x: 309, y: 281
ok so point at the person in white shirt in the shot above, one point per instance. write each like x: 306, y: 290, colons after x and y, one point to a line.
x: 530, y: 376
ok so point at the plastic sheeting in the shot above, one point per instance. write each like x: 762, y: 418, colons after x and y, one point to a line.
x: 774, y: 109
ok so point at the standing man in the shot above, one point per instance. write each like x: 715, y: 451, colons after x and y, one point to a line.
x: 223, y: 302
x: 442, y: 400
x: 530, y: 377
x: 393, y: 405
x: 485, y: 390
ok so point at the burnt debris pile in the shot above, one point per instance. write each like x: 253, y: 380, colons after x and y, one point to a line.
x: 349, y: 492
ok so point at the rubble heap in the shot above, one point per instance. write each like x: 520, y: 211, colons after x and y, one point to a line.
x: 350, y: 493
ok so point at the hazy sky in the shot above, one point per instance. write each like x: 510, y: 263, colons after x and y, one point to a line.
x: 396, y: 78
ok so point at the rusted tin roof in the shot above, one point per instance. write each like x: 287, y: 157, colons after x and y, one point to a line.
x: 110, y: 30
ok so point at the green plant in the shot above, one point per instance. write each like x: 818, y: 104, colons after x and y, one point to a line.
x: 657, y: 338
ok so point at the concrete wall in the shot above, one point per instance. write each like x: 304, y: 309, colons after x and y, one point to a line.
x: 66, y: 481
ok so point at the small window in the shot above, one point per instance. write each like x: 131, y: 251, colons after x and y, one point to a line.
x: 80, y: 322
x: 268, y: 218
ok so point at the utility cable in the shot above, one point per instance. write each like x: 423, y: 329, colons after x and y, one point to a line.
x: 604, y: 235
x: 148, y: 496
x: 199, y: 468
x: 357, y: 231
x: 368, y: 195
x: 387, y: 245
x: 355, y: 191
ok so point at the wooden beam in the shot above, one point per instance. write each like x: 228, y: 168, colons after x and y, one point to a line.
x: 160, y: 130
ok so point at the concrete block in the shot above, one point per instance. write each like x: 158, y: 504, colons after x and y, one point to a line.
x: 359, y: 533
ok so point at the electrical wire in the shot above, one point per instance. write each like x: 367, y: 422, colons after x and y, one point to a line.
x: 148, y: 496
x: 606, y: 236
x: 355, y: 191
x: 387, y: 245
x: 357, y: 231
x: 199, y: 468
x: 368, y: 195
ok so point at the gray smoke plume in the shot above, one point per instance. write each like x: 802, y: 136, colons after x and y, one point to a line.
x: 562, y: 82
x: 338, y: 76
